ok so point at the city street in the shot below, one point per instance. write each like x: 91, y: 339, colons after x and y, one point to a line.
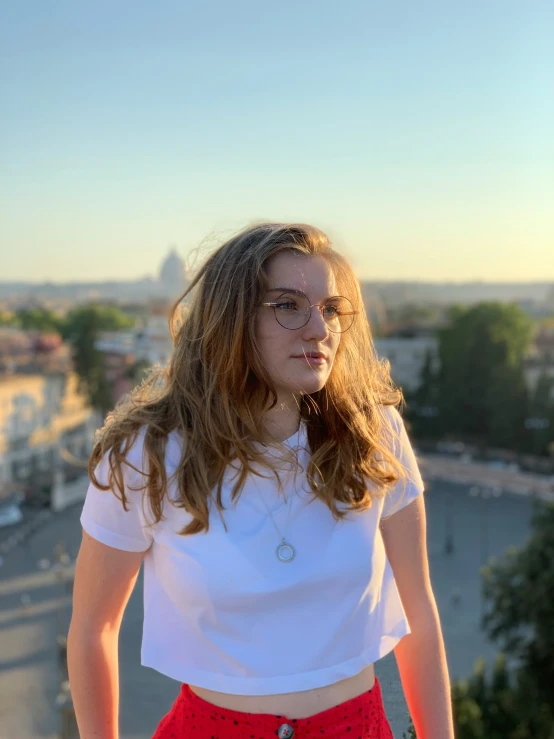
x: 35, y: 607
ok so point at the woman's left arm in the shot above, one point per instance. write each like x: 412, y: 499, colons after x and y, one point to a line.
x: 420, y: 655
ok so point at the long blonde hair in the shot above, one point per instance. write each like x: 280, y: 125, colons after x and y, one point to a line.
x: 215, y: 390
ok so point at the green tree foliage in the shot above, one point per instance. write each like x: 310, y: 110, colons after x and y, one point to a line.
x: 138, y: 371
x: 541, y: 409
x: 497, y: 707
x: 516, y: 702
x: 520, y: 587
x: 81, y: 327
x: 94, y: 316
x: 39, y: 319
x: 424, y: 403
x: 481, y: 385
x: 7, y: 319
x: 503, y: 706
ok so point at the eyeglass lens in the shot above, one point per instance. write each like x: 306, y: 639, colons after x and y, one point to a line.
x: 294, y: 312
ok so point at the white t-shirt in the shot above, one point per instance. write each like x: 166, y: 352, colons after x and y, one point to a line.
x: 222, y: 612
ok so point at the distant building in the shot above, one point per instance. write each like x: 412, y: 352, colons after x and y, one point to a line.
x: 32, y: 352
x: 544, y: 343
x: 407, y: 357
x: 45, y: 423
x: 540, y: 359
x: 118, y: 349
x: 173, y: 277
x: 63, y: 296
x: 149, y: 344
x: 153, y: 343
x: 534, y: 370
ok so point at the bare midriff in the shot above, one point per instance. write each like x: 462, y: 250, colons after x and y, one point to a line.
x: 301, y: 704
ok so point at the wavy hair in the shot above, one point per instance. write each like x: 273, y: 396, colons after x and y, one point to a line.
x: 215, y: 389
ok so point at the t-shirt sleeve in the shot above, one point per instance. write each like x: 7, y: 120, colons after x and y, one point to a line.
x: 404, y: 492
x: 103, y: 515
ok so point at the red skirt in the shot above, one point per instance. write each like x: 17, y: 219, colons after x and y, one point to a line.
x: 362, y: 717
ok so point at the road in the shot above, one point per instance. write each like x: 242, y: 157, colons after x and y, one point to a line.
x: 470, y: 472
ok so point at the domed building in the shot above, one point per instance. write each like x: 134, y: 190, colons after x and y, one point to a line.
x: 173, y: 275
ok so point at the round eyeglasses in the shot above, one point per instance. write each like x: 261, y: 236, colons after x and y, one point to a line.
x: 293, y: 311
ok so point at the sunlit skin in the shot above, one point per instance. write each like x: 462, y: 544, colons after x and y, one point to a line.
x: 283, y: 349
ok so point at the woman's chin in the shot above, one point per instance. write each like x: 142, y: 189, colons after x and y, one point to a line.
x: 309, y: 385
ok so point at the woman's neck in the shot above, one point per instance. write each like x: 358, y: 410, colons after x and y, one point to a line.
x: 281, y: 422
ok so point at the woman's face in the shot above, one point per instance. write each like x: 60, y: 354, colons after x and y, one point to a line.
x: 284, y: 350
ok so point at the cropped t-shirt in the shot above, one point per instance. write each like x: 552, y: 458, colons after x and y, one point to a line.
x: 223, y: 613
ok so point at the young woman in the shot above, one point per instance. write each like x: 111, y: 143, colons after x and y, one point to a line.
x: 266, y: 480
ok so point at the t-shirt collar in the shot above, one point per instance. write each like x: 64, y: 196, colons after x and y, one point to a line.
x: 296, y: 442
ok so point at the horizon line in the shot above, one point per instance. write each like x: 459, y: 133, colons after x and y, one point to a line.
x: 448, y: 281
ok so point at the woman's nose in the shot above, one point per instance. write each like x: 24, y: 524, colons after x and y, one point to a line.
x: 316, y: 326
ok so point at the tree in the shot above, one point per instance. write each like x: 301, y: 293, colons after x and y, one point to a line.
x: 138, y: 371
x: 39, y: 319
x: 540, y: 416
x: 81, y: 328
x: 8, y: 319
x: 482, y: 388
x: 94, y: 316
x: 516, y: 702
x: 424, y: 402
x: 520, y: 588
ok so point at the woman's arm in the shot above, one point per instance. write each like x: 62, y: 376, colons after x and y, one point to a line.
x: 420, y: 655
x: 104, y: 580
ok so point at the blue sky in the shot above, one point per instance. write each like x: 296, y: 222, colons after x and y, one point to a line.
x: 417, y: 135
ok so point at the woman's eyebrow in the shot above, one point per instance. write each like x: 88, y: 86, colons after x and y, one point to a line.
x: 285, y: 290
x: 291, y: 290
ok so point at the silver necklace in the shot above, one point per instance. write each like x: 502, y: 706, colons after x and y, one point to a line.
x: 285, y: 551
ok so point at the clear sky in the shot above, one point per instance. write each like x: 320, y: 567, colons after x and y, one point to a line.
x: 418, y: 135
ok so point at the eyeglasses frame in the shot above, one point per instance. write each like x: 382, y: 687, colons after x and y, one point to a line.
x: 319, y: 306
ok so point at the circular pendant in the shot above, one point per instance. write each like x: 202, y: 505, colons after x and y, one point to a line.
x: 285, y: 553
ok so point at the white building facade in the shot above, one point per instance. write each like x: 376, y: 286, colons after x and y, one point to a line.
x: 407, y: 358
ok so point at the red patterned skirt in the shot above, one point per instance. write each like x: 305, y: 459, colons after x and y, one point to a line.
x: 362, y: 717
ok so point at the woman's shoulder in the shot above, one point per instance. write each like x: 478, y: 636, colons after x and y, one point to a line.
x: 172, y: 443
x: 392, y: 414
x: 392, y: 424
x: 132, y: 456
x: 174, y: 448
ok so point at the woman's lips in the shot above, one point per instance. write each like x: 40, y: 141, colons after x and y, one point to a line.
x: 313, y: 360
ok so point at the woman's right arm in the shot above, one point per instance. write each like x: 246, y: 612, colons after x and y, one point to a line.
x: 104, y: 580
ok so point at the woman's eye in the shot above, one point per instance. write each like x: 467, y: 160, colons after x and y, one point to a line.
x: 286, y: 306
x: 332, y: 310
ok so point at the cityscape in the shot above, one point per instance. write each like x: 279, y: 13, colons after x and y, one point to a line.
x: 137, y: 138
x: 479, y: 497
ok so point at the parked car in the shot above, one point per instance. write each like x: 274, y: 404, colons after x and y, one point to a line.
x: 10, y: 514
